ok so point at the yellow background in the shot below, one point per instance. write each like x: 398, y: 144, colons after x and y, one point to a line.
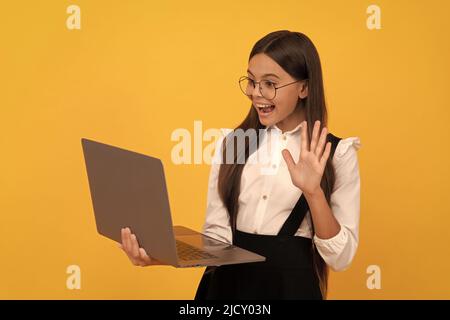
x: 138, y: 70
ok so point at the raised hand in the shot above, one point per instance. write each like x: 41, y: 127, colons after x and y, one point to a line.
x: 307, y: 173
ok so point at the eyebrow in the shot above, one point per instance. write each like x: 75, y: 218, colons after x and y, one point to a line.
x: 265, y: 75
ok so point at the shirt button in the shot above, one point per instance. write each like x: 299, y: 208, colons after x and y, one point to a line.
x: 284, y: 137
x: 264, y: 197
x: 274, y: 166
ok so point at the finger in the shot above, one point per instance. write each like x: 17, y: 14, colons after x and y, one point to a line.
x: 134, y: 247
x: 144, y: 256
x: 289, y: 160
x: 326, y: 154
x: 304, y: 138
x: 321, y: 144
x: 135, y: 251
x: 127, y: 243
x: 315, y: 135
x: 122, y: 237
x: 123, y: 234
x: 128, y: 246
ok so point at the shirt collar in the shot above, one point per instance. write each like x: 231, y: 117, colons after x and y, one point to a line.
x: 275, y: 127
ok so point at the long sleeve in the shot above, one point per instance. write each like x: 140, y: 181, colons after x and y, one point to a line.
x: 217, y: 224
x: 339, y: 251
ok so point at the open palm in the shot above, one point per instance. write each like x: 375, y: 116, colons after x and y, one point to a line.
x: 307, y: 173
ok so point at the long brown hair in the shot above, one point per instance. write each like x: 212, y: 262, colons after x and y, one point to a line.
x: 297, y: 55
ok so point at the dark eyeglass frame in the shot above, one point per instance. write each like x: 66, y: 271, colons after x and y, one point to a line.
x: 259, y: 87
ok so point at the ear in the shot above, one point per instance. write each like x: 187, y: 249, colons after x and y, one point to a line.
x: 303, y: 92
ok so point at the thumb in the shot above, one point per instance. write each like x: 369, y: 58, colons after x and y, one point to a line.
x: 289, y: 160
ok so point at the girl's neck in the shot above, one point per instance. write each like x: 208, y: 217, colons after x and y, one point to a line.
x: 293, y: 120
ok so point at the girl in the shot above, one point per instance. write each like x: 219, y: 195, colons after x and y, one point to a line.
x: 303, y: 215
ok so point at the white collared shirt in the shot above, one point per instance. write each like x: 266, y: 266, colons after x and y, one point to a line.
x: 268, y: 197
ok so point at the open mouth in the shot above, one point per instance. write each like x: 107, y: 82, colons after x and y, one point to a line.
x: 265, y: 109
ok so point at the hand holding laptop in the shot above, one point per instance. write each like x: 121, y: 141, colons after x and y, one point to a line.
x: 137, y: 255
x: 129, y: 189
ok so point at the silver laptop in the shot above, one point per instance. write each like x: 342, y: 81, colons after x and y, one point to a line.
x: 128, y: 189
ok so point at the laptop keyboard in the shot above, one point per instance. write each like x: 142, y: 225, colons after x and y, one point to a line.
x: 188, y: 252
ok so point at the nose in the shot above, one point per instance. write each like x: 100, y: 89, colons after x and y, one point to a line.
x: 257, y: 88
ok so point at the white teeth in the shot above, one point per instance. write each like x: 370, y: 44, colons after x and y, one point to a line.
x: 263, y: 105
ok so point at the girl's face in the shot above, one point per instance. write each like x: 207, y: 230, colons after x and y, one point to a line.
x: 282, y: 110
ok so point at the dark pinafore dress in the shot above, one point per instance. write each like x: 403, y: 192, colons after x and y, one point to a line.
x: 287, y: 273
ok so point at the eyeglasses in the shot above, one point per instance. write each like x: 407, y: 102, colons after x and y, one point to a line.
x: 266, y: 88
